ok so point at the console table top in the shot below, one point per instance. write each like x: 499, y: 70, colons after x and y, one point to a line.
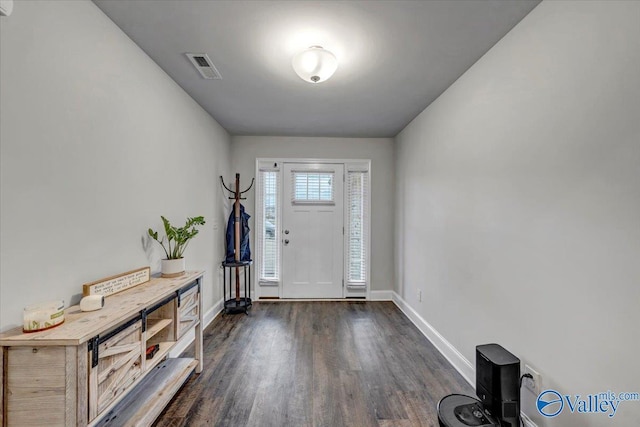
x: 79, y: 327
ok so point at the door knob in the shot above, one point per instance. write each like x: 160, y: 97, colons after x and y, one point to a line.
x: 286, y: 231
x: 286, y: 241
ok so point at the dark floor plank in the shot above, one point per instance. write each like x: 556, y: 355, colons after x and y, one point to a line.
x: 315, y: 364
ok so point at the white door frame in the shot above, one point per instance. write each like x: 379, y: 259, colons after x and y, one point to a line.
x: 258, y: 209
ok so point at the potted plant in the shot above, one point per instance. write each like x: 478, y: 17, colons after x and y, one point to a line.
x: 177, y: 241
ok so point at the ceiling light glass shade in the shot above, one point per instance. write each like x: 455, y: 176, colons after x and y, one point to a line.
x: 315, y: 64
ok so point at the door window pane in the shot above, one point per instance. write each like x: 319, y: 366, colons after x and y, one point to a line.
x: 312, y: 187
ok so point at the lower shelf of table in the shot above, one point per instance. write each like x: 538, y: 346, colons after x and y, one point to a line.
x: 146, y: 401
x: 234, y: 306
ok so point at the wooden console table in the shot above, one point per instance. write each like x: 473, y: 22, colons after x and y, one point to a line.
x: 92, y: 369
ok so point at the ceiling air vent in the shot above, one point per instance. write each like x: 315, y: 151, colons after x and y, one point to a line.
x: 204, y: 65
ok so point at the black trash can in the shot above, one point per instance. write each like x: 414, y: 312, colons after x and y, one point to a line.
x: 458, y: 410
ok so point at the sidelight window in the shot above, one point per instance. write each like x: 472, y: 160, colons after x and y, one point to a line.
x: 357, y: 226
x: 269, y: 223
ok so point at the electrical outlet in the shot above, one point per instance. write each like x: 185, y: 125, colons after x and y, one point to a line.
x: 532, y: 384
x: 419, y: 295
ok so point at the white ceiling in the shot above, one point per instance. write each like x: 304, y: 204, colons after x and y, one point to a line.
x: 395, y: 57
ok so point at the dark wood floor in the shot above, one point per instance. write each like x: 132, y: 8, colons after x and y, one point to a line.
x: 315, y: 364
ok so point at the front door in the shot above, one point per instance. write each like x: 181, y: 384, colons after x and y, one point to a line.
x: 312, y: 230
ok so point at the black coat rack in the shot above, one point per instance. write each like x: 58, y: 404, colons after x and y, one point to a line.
x: 237, y: 304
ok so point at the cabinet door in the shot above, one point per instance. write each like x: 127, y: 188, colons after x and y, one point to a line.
x: 35, y: 386
x: 188, y: 310
x: 119, y: 364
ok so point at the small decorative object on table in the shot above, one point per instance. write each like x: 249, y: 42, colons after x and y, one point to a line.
x: 38, y: 317
x: 92, y: 303
x: 173, y: 265
x: 118, y: 283
x: 151, y: 351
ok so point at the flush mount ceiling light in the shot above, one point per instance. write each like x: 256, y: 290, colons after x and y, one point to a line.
x: 315, y: 65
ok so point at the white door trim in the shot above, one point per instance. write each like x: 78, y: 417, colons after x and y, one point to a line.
x: 281, y: 160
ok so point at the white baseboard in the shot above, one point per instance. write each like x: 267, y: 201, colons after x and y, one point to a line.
x: 285, y: 300
x: 459, y: 362
x: 186, y: 340
x: 381, y: 295
x: 526, y: 421
x: 212, y: 313
x: 462, y: 365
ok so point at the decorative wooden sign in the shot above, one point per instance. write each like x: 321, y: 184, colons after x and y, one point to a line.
x: 118, y: 283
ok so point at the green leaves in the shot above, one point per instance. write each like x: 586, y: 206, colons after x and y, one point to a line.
x: 179, y: 236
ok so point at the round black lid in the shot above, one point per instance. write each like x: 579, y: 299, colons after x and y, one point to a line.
x: 458, y: 410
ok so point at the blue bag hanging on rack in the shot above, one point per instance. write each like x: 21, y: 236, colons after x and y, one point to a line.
x: 245, y: 250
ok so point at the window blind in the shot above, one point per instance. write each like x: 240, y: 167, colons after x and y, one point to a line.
x: 269, y: 225
x: 357, y: 202
x: 312, y: 187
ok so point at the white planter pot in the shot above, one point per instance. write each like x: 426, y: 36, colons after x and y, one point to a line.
x: 172, y: 267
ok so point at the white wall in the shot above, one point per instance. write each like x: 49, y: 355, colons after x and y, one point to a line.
x: 96, y: 143
x: 245, y: 150
x: 518, y: 203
